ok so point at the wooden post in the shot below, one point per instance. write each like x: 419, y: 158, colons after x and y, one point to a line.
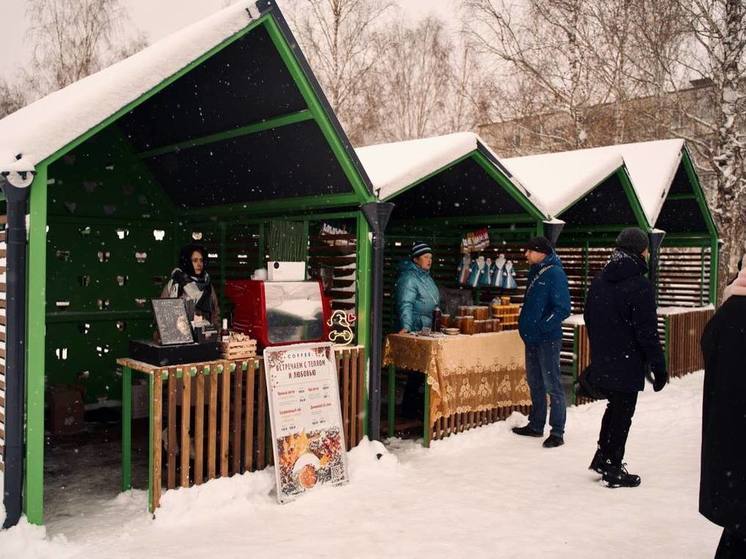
x: 171, y: 413
x: 156, y: 442
x: 186, y: 406
x: 249, y: 428
x: 212, y: 423
x: 237, y: 409
x: 199, y: 428
x: 224, y: 417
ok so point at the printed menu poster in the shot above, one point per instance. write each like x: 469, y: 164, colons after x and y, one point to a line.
x: 306, y: 418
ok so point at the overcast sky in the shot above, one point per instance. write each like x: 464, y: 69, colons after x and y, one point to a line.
x: 156, y: 18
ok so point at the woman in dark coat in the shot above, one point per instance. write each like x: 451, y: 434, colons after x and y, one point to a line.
x: 191, y: 282
x: 722, y: 489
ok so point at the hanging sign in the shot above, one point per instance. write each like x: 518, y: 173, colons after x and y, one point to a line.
x: 306, y: 418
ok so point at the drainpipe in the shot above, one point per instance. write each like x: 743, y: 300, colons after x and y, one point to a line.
x: 552, y: 230
x: 377, y: 215
x: 15, y: 187
x: 655, y: 238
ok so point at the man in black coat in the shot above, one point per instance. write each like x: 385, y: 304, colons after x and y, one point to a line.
x: 623, y: 332
x: 722, y: 487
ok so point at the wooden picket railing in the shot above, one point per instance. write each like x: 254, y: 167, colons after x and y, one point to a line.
x: 3, y: 323
x: 460, y: 422
x: 680, y: 333
x: 213, y: 421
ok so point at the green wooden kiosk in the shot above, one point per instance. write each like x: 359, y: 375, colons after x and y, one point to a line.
x: 212, y: 134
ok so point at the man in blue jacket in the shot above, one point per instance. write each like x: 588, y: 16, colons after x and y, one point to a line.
x: 545, y: 305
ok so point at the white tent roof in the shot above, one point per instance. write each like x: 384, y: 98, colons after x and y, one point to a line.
x: 395, y: 166
x: 40, y: 129
x: 558, y: 179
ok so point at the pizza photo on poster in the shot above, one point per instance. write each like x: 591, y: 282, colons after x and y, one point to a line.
x: 306, y: 420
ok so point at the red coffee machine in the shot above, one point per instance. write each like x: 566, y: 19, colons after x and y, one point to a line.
x: 280, y: 312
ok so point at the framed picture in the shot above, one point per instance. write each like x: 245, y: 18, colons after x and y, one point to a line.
x: 173, y: 322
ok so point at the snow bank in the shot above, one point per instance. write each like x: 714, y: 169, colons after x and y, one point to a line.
x: 37, y: 131
x: 484, y: 493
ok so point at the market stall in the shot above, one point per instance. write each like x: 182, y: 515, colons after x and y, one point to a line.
x: 446, y: 190
x: 217, y: 135
x: 664, y: 197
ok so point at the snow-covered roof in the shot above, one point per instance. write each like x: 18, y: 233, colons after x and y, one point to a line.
x: 397, y: 165
x: 40, y: 129
x: 558, y: 179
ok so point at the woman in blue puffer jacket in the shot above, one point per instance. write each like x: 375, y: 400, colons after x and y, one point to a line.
x: 416, y: 292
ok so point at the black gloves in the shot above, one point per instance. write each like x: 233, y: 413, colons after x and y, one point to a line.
x: 660, y: 378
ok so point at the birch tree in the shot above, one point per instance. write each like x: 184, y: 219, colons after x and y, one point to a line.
x: 338, y: 38
x: 74, y: 38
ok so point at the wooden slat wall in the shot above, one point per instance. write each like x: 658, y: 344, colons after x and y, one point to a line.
x: 339, y: 253
x: 684, y: 277
x: 3, y: 248
x: 684, y: 333
x: 237, y: 422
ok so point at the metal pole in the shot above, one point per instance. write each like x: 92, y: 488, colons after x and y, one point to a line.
x: 656, y: 240
x: 377, y: 214
x: 16, y: 196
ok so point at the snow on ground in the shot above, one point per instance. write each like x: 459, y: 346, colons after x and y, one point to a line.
x: 484, y: 493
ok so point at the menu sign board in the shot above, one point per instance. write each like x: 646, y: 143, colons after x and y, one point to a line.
x: 305, y: 414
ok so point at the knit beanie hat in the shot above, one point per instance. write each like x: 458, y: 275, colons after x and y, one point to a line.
x: 419, y: 248
x: 633, y: 239
x: 539, y: 244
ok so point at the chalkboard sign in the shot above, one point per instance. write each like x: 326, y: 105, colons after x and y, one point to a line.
x: 173, y: 322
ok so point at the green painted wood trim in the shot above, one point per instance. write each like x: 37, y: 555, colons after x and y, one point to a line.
x: 96, y: 316
x: 505, y: 219
x: 268, y: 124
x: 453, y: 163
x: 509, y: 187
x: 364, y: 304
x: 153, y: 91
x: 126, y: 428
x: 322, y: 119
x: 270, y: 207
x: 53, y: 219
x: 35, y: 348
x: 690, y: 196
x: 633, y: 199
x: 699, y: 193
x: 391, y: 410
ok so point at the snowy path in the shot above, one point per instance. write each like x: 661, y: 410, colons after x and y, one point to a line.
x: 486, y: 493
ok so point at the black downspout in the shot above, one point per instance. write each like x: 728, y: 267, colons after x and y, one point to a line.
x: 377, y: 214
x: 655, y: 238
x: 15, y: 345
x: 552, y: 230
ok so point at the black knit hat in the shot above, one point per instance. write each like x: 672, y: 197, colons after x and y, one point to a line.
x: 419, y: 248
x: 633, y: 239
x: 540, y: 244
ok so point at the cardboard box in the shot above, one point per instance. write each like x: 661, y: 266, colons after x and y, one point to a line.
x: 66, y: 409
x: 286, y: 271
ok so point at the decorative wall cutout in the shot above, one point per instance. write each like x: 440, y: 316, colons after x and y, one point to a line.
x: 85, y: 280
x: 62, y: 305
x: 159, y: 234
x: 140, y: 301
x: 121, y: 325
x: 102, y: 350
x: 122, y: 280
x: 61, y: 353
x: 197, y: 235
x: 84, y: 327
x: 123, y: 233
x: 141, y: 257
x: 85, y: 231
x: 104, y: 255
x: 63, y: 255
x: 103, y: 304
x: 71, y: 207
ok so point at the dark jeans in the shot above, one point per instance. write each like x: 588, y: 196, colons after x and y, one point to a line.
x: 543, y: 376
x: 732, y: 546
x: 615, y: 425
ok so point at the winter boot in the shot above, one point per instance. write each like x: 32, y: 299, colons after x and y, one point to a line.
x: 597, y: 464
x: 526, y: 431
x: 616, y: 475
x: 553, y: 441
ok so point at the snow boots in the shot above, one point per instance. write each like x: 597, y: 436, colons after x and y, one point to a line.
x: 526, y: 431
x: 553, y: 441
x: 597, y: 464
x: 616, y: 475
